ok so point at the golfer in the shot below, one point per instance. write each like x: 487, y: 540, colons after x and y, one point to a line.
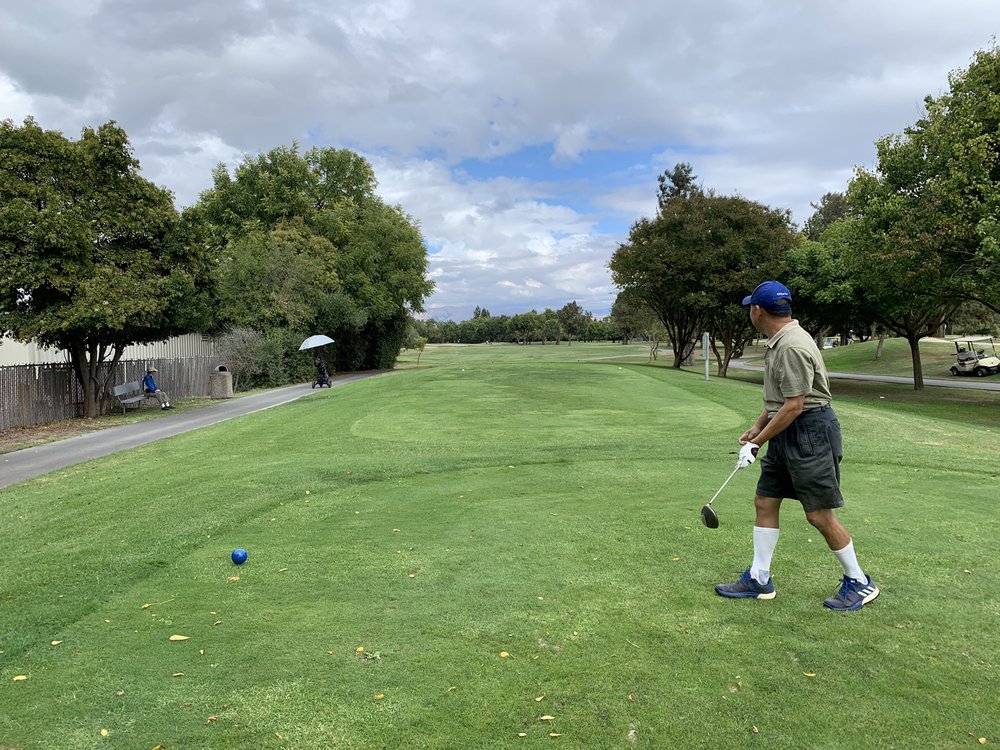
x: 803, y: 454
x: 150, y: 388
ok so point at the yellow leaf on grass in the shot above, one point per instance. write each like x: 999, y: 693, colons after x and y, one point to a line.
x: 675, y: 558
x: 146, y: 606
x: 546, y: 718
x: 359, y: 650
x: 56, y: 643
x: 522, y: 734
x: 539, y: 698
x: 379, y: 696
x: 554, y: 734
x: 105, y: 733
x: 504, y: 654
x: 982, y: 740
x: 233, y: 579
x: 178, y: 674
x: 20, y: 677
x: 179, y: 637
x: 809, y: 674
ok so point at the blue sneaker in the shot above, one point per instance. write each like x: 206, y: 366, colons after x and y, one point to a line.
x: 746, y: 588
x: 853, y: 595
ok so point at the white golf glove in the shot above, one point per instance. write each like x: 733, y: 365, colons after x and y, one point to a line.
x: 748, y: 454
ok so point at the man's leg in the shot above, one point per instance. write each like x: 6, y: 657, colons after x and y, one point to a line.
x: 858, y: 588
x: 765, y: 536
x: 755, y: 583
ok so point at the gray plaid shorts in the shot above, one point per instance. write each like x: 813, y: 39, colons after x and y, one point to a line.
x: 803, y: 462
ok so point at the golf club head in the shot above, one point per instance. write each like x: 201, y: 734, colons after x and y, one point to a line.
x: 709, y: 517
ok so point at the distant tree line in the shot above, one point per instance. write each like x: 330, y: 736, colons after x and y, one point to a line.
x: 94, y: 258
x: 567, y: 324
x: 909, y: 247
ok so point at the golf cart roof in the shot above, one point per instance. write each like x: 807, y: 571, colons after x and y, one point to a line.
x: 974, y: 339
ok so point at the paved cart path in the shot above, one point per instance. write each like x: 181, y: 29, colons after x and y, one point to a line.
x: 18, y: 466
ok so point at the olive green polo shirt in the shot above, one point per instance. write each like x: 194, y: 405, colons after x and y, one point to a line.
x: 793, y: 366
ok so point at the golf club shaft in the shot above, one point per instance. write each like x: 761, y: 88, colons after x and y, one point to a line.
x: 723, y: 485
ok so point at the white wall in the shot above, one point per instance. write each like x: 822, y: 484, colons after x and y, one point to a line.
x: 180, y: 347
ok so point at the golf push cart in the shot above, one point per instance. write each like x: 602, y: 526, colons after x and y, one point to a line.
x: 975, y: 356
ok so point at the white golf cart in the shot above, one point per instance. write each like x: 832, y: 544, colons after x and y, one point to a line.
x: 976, y: 356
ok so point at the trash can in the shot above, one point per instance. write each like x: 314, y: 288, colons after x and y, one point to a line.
x: 221, y: 382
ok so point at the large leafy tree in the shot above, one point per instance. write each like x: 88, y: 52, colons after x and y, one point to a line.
x: 830, y: 208
x: 926, y: 227
x: 93, y: 257
x: 344, y: 263
x: 693, y: 263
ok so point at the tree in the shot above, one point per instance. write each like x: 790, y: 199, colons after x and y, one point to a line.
x: 93, y: 257
x: 573, y: 320
x: 679, y: 182
x: 421, y: 345
x: 360, y: 264
x: 832, y: 207
x: 825, y: 292
x: 693, y: 264
x: 926, y: 232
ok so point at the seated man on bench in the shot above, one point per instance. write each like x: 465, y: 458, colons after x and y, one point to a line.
x: 149, y: 386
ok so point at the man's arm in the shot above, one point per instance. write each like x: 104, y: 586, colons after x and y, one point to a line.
x: 785, y: 416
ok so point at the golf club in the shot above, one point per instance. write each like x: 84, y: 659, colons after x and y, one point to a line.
x: 707, y: 514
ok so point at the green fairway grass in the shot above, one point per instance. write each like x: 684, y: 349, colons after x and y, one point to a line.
x: 936, y: 358
x: 512, y: 536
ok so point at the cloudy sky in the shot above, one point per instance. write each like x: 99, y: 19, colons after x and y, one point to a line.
x: 524, y: 135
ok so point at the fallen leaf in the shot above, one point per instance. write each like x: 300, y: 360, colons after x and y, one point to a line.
x: 504, y: 654
x: 755, y: 730
x: 211, y: 719
x: 554, y: 734
x: 283, y: 570
x: 675, y: 558
x: 201, y: 651
x: 119, y: 693
x: 218, y: 622
x: 179, y: 638
x: 146, y: 606
x: 105, y: 733
x: 451, y: 688
x: 982, y: 740
x: 178, y: 674
x: 809, y: 674
x: 379, y: 696
x: 278, y: 735
x: 539, y: 699
x: 56, y: 643
x: 359, y: 650
x: 20, y: 677
x: 631, y: 697
x: 546, y: 718
x: 233, y: 579
x: 966, y: 571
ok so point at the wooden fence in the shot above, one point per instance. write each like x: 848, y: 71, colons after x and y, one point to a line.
x: 36, y: 394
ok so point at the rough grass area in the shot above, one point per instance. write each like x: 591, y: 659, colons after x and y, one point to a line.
x: 498, y: 550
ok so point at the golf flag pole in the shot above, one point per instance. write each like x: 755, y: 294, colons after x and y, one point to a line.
x: 704, y: 349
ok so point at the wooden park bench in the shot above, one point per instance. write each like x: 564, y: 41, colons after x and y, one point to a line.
x: 131, y: 394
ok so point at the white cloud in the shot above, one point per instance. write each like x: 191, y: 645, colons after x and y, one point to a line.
x: 775, y: 101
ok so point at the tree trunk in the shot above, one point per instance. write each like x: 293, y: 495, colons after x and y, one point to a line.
x: 881, y: 344
x: 918, y: 370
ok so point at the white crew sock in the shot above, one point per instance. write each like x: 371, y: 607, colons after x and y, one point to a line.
x: 764, y: 542
x: 849, y: 561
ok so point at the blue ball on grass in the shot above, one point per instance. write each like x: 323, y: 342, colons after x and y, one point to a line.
x: 239, y: 556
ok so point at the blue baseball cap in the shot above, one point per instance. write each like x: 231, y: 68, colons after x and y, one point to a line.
x: 773, y: 296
